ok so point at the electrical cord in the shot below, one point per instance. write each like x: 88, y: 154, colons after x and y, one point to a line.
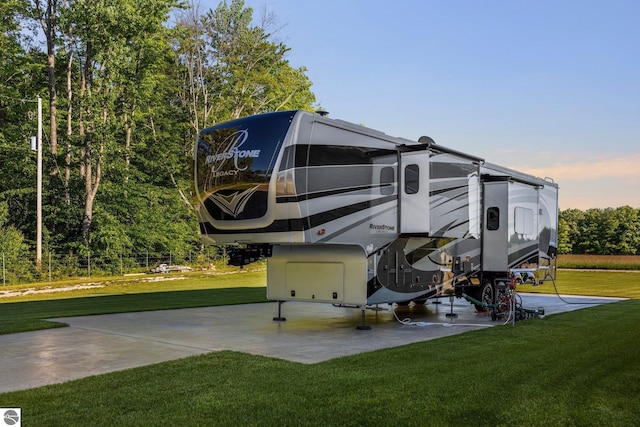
x: 409, y: 322
x: 553, y: 280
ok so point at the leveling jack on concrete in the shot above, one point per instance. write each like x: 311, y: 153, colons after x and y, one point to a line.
x: 363, y: 326
x: 451, y: 313
x: 279, y: 318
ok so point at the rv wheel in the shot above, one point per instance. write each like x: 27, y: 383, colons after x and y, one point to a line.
x: 486, y: 296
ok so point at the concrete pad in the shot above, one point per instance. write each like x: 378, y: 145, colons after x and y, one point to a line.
x: 312, y: 333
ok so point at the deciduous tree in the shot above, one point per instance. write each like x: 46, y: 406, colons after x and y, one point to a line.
x: 127, y: 95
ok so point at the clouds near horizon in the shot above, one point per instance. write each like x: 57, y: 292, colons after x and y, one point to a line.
x: 593, y: 180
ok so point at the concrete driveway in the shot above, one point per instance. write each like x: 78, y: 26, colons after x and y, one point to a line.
x: 312, y: 333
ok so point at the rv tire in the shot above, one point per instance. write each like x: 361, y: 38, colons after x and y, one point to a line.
x: 486, y: 295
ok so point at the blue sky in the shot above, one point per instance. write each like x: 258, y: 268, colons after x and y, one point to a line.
x: 546, y: 87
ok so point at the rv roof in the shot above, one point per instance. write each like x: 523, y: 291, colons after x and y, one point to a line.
x: 361, y: 129
x: 519, y: 176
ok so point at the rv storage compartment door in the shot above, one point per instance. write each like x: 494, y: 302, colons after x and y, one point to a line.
x: 318, y: 273
x: 414, y: 192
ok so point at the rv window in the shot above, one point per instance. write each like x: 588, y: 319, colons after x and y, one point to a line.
x: 493, y: 218
x: 411, y: 179
x: 387, y: 178
x: 524, y: 221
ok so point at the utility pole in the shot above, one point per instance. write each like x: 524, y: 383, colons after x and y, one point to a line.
x: 39, y: 190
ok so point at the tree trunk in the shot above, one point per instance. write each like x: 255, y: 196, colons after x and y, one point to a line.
x: 91, y: 183
x: 53, y: 115
x: 87, y: 219
x: 67, y: 158
x: 48, y: 22
x: 128, y: 131
x: 86, y: 152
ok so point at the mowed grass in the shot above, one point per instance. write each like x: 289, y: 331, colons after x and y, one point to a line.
x: 133, y: 284
x: 577, y: 368
x: 25, y: 313
x: 119, y: 295
x: 621, y: 284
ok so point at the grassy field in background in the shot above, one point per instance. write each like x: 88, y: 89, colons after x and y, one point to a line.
x: 600, y: 262
x: 593, y: 282
x: 133, y: 284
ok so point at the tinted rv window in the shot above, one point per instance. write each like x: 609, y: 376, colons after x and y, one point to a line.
x: 411, y: 179
x: 493, y: 218
x: 234, y: 163
x: 387, y: 178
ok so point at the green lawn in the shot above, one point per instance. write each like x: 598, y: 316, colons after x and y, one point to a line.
x: 143, y: 283
x: 576, y: 368
x: 595, y: 283
x: 126, y: 295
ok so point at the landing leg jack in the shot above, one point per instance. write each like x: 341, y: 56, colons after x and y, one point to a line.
x: 451, y: 314
x: 279, y: 318
x: 363, y: 326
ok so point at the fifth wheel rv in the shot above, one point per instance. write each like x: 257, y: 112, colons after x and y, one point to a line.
x: 351, y: 216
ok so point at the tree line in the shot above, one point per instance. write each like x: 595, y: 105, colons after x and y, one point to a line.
x: 600, y: 231
x: 126, y: 85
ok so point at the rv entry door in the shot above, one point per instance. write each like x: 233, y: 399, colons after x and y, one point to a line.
x: 413, y: 196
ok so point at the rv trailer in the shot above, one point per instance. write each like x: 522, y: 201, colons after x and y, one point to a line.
x: 350, y: 216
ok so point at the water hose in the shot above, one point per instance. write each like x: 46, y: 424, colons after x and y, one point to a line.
x: 538, y: 312
x: 478, y: 303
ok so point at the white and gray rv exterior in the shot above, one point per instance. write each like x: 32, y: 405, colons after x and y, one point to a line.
x: 348, y: 215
